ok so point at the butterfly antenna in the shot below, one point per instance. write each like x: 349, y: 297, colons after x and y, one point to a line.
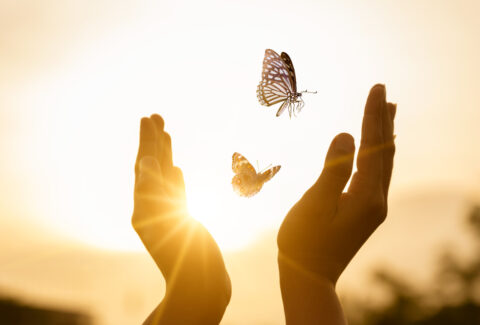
x: 266, y: 168
x: 308, y: 92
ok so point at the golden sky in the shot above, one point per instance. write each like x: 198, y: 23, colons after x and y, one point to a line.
x: 76, y: 77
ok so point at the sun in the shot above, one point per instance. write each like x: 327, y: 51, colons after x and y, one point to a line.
x: 211, y: 208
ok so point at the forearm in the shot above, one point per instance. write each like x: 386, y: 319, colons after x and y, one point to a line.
x: 308, y: 298
x: 198, y: 286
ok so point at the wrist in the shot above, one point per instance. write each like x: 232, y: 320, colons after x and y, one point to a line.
x: 308, y: 297
x: 309, y: 268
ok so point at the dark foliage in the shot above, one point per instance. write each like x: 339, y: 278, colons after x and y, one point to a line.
x: 16, y: 313
x: 454, y: 299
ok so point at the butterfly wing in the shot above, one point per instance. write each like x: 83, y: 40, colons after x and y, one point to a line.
x: 269, y: 173
x: 297, y: 105
x: 291, y: 70
x: 241, y: 165
x: 276, y: 85
x: 246, y: 186
x: 245, y: 181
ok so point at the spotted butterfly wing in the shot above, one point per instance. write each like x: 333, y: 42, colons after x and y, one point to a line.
x: 240, y: 165
x: 244, y: 182
x: 247, y: 182
x: 278, y: 84
x: 269, y: 173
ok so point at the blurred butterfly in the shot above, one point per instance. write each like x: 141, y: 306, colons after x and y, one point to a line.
x: 279, y: 84
x: 247, y: 182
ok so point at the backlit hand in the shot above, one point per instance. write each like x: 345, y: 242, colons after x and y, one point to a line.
x: 198, y: 286
x: 326, y: 227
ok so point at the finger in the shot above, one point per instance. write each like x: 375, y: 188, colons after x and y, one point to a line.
x: 164, y: 145
x: 370, y: 159
x: 167, y: 162
x: 147, y: 143
x: 177, y: 185
x: 159, y: 124
x: 389, y: 146
x: 392, y: 108
x: 336, y: 171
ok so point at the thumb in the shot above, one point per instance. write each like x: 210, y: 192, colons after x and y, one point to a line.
x: 336, y: 171
x: 176, y: 184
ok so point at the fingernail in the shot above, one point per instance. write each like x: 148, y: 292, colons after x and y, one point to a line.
x: 379, y: 91
x: 344, y: 143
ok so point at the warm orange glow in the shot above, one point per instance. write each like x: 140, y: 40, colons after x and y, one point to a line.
x: 76, y: 79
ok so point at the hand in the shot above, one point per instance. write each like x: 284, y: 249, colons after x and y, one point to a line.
x: 326, y: 227
x: 198, y: 285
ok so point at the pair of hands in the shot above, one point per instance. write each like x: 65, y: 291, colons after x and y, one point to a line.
x: 318, y: 238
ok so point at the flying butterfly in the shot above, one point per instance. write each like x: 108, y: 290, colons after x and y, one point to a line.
x: 279, y: 84
x: 247, y: 182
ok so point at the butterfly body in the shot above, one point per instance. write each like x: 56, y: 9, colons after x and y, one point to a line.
x: 247, y: 182
x: 279, y: 83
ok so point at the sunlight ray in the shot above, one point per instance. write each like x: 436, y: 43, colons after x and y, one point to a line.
x: 177, y: 266
x: 185, y: 222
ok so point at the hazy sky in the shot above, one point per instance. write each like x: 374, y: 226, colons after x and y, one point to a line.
x: 76, y: 77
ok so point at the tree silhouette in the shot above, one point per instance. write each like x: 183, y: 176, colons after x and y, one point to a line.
x: 454, y: 299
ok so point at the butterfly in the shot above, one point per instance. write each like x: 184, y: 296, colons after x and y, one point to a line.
x: 279, y: 84
x: 247, y: 182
